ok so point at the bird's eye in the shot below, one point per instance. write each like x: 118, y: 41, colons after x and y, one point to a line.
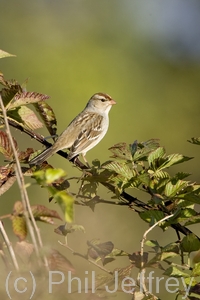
x: 103, y: 100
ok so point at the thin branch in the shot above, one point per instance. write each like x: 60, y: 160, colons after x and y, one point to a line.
x: 142, y: 274
x: 84, y: 257
x: 9, y: 246
x: 127, y: 198
x: 23, y: 191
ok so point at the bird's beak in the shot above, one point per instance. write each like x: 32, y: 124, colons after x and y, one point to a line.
x: 112, y: 102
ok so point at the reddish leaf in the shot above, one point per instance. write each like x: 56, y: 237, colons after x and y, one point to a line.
x: 135, y: 259
x: 5, y: 146
x: 24, y: 155
x: 42, y: 213
x: 25, y: 98
x: 59, y: 262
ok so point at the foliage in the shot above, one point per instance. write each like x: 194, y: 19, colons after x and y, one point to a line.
x: 143, y: 166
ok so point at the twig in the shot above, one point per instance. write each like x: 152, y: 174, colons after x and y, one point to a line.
x: 142, y: 274
x: 25, y: 201
x: 10, y: 248
x: 127, y: 198
x: 84, y: 257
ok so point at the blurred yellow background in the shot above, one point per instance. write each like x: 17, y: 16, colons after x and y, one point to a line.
x: 135, y: 52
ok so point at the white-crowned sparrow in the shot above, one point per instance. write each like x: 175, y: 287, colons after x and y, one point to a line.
x: 84, y: 132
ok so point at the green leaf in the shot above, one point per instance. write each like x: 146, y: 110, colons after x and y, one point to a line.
x: 190, y: 243
x: 181, y: 175
x: 174, y: 159
x: 25, y: 117
x: 196, y: 270
x: 192, y: 197
x: 8, y: 93
x: 155, y: 155
x: 144, y: 149
x: 167, y: 255
x: 152, y: 244
x: 19, y: 227
x: 195, y: 141
x: 151, y: 216
x: 25, y: 98
x: 175, y: 272
x: 144, y: 178
x: 66, y: 202
x: 193, y: 219
x: 5, y: 54
x: 172, y: 247
x: 183, y: 214
x: 172, y: 189
x: 119, y: 168
x: 52, y: 175
x: 122, y: 151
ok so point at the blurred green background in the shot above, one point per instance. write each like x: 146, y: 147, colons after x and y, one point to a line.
x: 146, y: 55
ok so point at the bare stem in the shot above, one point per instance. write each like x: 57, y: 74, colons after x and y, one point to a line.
x: 86, y: 258
x: 24, y: 195
x: 10, y: 248
x: 142, y: 274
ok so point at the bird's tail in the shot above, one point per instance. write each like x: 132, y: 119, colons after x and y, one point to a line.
x: 38, y: 160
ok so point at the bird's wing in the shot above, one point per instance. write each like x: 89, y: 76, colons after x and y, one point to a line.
x: 88, y: 134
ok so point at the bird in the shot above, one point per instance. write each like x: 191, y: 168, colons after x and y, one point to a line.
x: 84, y: 132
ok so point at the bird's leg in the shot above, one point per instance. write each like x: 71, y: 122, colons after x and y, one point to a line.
x: 85, y: 160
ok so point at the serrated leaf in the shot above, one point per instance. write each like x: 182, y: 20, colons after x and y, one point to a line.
x: 167, y: 255
x: 66, y: 202
x: 151, y: 216
x: 8, y: 93
x: 192, y: 197
x: 196, y: 259
x: 195, y: 141
x: 133, y: 147
x: 101, y: 250
x: 172, y: 189
x: 59, y: 262
x: 5, y: 146
x: 5, y: 54
x: 52, y: 175
x: 193, y: 220
x: 152, y: 244
x: 181, y: 175
x: 119, y: 168
x: 122, y: 151
x: 175, y: 272
x: 19, y: 227
x: 144, y: 149
x: 24, y: 250
x: 144, y: 178
x: 25, y: 117
x: 156, y: 154
x: 48, y: 116
x: 42, y: 213
x: 25, y: 98
x: 184, y: 214
x: 190, y: 243
x: 6, y: 184
x: 174, y: 159
x: 66, y: 229
x: 135, y: 258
